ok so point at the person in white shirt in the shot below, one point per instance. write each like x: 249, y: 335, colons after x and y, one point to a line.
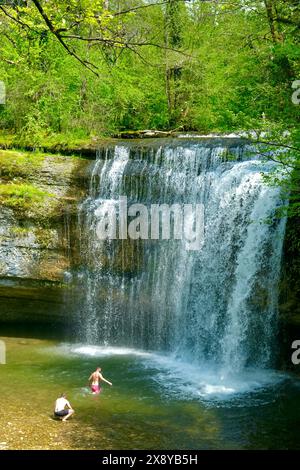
x: 62, y: 408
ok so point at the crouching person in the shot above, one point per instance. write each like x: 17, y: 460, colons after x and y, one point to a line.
x: 62, y: 408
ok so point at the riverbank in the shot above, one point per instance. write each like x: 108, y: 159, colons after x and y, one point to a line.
x: 62, y: 144
x: 86, y: 147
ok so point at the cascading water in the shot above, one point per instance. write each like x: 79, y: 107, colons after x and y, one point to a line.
x: 216, y: 305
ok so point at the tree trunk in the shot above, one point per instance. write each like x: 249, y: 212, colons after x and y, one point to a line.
x: 173, y: 39
x: 271, y: 14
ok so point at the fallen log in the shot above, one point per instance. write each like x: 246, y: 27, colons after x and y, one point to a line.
x: 145, y: 134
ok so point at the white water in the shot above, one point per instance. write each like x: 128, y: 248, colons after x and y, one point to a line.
x: 215, y: 308
x: 182, y: 380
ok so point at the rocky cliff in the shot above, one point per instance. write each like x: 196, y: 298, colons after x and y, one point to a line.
x: 39, y: 195
x: 289, y: 301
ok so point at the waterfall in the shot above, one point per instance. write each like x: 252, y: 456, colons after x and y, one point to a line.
x: 216, y: 305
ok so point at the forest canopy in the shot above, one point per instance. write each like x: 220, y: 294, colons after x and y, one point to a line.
x: 94, y: 67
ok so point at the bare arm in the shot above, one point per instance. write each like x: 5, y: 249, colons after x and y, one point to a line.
x: 104, y: 380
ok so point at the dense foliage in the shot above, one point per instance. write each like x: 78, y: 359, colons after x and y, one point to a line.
x: 94, y: 67
x: 91, y: 67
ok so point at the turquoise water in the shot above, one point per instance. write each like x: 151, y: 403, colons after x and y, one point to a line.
x: 155, y: 402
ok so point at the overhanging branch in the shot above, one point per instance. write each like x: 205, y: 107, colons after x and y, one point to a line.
x: 57, y: 34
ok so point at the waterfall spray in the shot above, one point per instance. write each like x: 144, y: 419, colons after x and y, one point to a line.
x: 215, y: 305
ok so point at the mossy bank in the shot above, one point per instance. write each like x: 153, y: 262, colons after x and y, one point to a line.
x: 39, y: 195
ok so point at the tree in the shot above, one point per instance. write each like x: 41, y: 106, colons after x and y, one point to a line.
x: 173, y: 39
x: 90, y: 22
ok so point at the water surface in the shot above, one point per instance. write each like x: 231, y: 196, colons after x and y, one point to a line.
x: 155, y: 402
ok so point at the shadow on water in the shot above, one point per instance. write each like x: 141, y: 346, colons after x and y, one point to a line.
x: 50, y: 331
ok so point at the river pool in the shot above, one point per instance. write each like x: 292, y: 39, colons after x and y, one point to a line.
x: 156, y: 402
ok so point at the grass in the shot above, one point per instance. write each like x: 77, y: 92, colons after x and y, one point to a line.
x: 51, y: 142
x: 22, y: 195
x: 13, y: 163
x: 16, y: 164
x: 30, y: 182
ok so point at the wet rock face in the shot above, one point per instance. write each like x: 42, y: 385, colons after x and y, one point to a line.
x: 37, y: 233
x: 289, y: 305
x: 29, y: 251
x: 32, y: 302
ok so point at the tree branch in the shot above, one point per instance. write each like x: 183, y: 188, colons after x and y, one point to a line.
x: 289, y: 22
x: 112, y: 42
x: 280, y: 161
x: 16, y: 20
x: 57, y: 34
x: 276, y: 145
x: 130, y: 10
x: 10, y: 62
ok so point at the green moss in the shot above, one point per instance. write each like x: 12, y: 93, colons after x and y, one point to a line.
x: 14, y: 163
x: 22, y: 196
x: 20, y: 231
x: 52, y: 142
x: 44, y: 237
x: 33, y: 184
x: 66, y: 140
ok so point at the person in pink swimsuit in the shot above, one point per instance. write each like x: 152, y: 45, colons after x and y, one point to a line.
x: 95, y: 379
